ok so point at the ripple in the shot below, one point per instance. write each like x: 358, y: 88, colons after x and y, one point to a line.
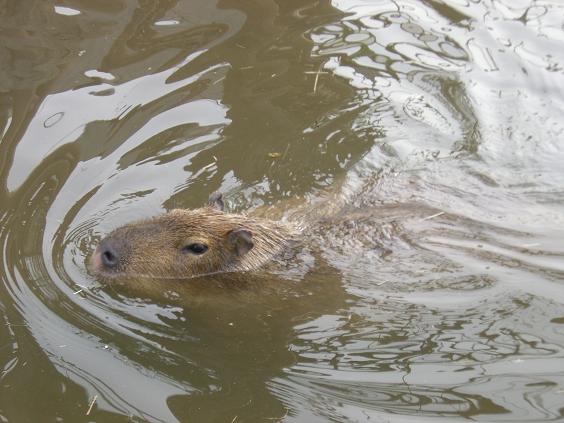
x: 402, y: 358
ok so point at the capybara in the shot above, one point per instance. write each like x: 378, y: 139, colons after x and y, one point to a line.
x: 188, y: 243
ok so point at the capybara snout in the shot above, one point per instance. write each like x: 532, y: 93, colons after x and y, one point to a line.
x: 107, y: 255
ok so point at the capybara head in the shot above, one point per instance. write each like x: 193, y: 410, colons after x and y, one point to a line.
x: 189, y: 243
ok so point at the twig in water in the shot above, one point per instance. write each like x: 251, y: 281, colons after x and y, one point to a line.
x: 286, y: 151
x: 315, y: 83
x: 277, y: 418
x: 319, y: 72
x: 91, y: 404
x: 218, y: 81
x: 82, y: 288
x: 433, y: 216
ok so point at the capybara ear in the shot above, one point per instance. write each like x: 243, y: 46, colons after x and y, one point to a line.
x: 241, y: 240
x: 215, y: 200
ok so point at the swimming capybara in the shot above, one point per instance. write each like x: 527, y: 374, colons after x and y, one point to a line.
x: 189, y: 243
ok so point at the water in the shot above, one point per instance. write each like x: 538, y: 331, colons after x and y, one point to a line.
x: 427, y: 137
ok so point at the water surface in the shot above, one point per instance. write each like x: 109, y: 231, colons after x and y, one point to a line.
x: 425, y: 138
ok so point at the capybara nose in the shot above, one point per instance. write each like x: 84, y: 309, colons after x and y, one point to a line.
x: 108, y: 255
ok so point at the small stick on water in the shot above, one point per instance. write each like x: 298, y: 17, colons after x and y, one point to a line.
x: 277, y: 418
x: 315, y: 83
x: 218, y: 81
x: 91, y: 404
x: 234, y: 418
x: 82, y: 288
x: 286, y: 151
x: 319, y: 72
x: 433, y: 216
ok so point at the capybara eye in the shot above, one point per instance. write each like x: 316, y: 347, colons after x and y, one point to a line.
x: 195, y: 248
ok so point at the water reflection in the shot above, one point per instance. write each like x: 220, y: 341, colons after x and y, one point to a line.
x: 395, y: 357
x: 418, y: 143
x: 451, y: 267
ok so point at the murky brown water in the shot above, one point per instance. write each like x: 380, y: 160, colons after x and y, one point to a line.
x: 433, y: 130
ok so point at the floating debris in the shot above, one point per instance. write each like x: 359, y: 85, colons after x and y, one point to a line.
x: 319, y: 72
x: 433, y: 216
x: 91, y: 404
